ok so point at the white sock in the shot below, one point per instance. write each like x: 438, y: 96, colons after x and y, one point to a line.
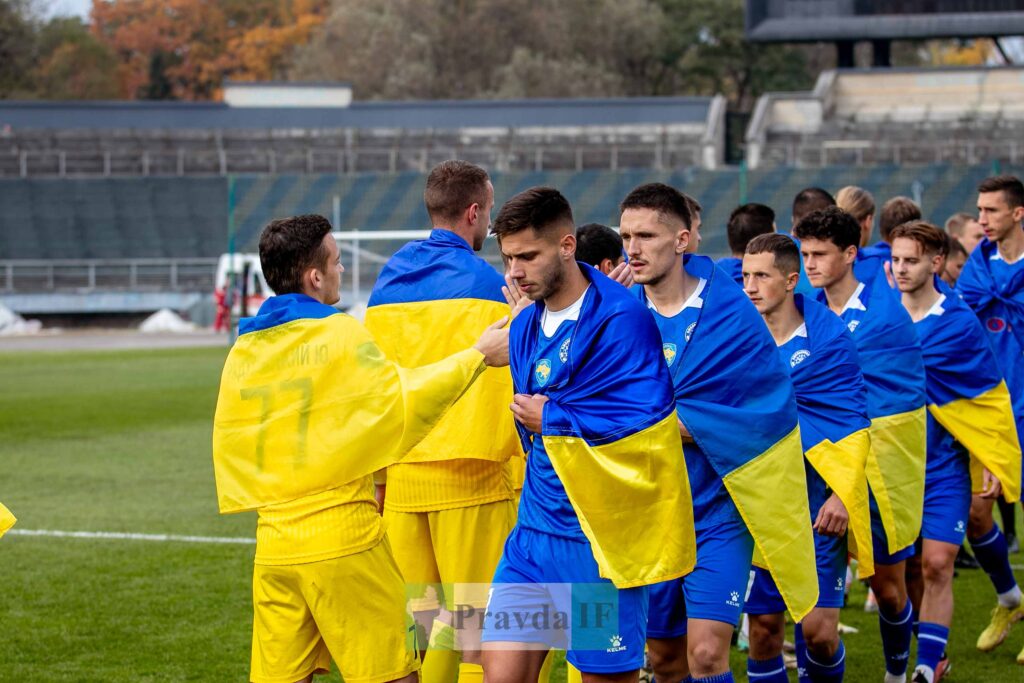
x: 889, y: 678
x: 926, y: 671
x: 1011, y: 598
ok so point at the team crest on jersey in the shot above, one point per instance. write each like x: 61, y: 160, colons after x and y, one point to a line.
x: 542, y: 373
x: 995, y: 324
x: 670, y: 353
x: 563, y: 351
x: 689, y: 332
x: 799, y: 357
x: 853, y: 325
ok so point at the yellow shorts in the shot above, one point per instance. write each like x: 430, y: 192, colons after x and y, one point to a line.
x: 351, y: 608
x: 450, y: 553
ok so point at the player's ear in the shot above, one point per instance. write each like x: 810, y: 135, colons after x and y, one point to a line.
x: 682, y: 240
x: 791, y: 281
x: 567, y: 246
x: 850, y: 254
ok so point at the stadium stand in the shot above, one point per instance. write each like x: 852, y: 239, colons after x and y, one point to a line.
x: 964, y: 115
x: 187, y: 138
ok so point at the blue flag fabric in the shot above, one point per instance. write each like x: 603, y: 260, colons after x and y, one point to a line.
x: 737, y: 401
x: 733, y: 267
x: 610, y: 430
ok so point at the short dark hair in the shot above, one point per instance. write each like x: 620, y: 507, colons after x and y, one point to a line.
x: 538, y: 208
x: 1010, y: 186
x: 957, y: 249
x: 291, y: 246
x: 830, y: 224
x: 931, y: 239
x: 747, y: 222
x: 782, y: 247
x: 810, y: 199
x: 596, y: 242
x: 896, y: 211
x: 452, y: 186
x: 693, y: 205
x: 662, y: 198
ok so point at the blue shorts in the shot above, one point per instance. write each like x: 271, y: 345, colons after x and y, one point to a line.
x: 830, y: 558
x: 547, y: 589
x: 880, y: 542
x: 713, y: 590
x: 947, y: 502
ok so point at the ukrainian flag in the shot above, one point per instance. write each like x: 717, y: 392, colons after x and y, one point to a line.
x: 610, y: 430
x: 831, y: 399
x: 737, y: 401
x: 439, y: 284
x: 890, y: 359
x: 967, y: 394
x: 7, y: 520
x: 308, y: 402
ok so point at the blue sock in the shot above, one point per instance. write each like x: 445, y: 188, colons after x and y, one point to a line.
x: 990, y: 551
x: 931, y: 643
x: 897, y: 632
x: 767, y: 670
x: 830, y: 670
x: 720, y: 678
x: 801, y: 653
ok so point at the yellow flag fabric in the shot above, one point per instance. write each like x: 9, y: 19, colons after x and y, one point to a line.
x: 788, y: 556
x: 618, y: 506
x: 899, y: 485
x: 7, y: 520
x: 984, y: 425
x: 312, y: 403
x: 480, y: 425
x: 842, y: 466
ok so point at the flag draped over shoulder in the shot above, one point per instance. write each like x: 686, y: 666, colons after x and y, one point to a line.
x: 611, y: 433
x: 308, y: 402
x: 967, y: 394
x: 832, y: 402
x: 988, y: 299
x: 7, y: 520
x: 434, y: 298
x: 733, y: 267
x: 737, y: 402
x: 890, y: 359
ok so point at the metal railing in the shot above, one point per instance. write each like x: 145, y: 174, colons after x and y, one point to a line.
x: 873, y: 152
x: 85, y: 275
x: 182, y: 162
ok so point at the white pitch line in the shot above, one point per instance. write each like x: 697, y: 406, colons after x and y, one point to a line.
x: 120, y: 536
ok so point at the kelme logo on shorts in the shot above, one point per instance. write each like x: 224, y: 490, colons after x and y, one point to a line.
x: 670, y: 353
x: 616, y: 644
x: 542, y: 373
x: 734, y: 599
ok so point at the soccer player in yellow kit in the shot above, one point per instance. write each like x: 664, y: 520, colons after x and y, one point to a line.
x: 449, y: 505
x: 308, y: 409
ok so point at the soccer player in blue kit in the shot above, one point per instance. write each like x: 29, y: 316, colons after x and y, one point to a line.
x: 992, y: 284
x: 832, y: 404
x: 711, y: 347
x: 595, y: 411
x: 893, y: 368
x: 969, y: 408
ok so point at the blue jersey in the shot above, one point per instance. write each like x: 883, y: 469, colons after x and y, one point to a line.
x: 712, y: 504
x: 1000, y: 333
x: 856, y: 309
x: 793, y: 352
x: 544, y: 505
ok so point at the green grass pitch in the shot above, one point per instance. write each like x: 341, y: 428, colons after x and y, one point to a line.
x: 120, y: 442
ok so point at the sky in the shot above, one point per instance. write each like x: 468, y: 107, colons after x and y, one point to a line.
x: 53, y: 8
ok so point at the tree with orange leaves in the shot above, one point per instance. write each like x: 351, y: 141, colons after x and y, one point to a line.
x: 184, y: 49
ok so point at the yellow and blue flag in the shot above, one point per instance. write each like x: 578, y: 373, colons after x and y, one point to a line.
x: 893, y: 369
x: 999, y: 304
x: 308, y: 402
x: 434, y: 298
x: 736, y: 400
x: 610, y: 430
x: 967, y: 394
x: 7, y: 520
x: 831, y: 399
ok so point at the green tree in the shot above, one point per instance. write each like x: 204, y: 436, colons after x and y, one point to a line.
x: 17, y: 47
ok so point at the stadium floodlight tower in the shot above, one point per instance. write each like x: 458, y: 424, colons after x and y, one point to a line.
x: 846, y: 22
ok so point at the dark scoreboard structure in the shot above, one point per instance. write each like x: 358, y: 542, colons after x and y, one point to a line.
x: 827, y: 20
